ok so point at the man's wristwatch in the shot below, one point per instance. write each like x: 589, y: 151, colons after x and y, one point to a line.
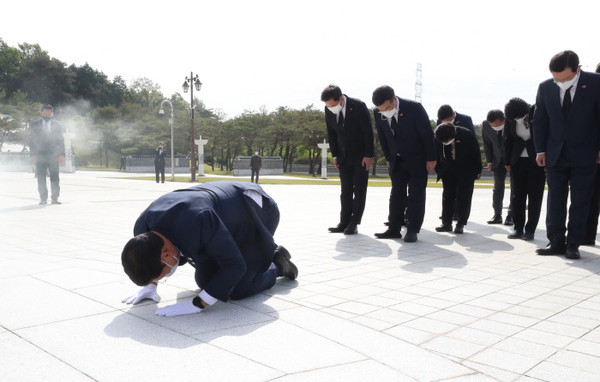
x: 197, y: 301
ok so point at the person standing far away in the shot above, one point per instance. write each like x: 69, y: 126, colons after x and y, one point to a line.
x: 159, y: 162
x: 255, y: 166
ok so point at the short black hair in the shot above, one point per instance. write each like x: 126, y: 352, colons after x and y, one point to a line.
x: 141, y: 258
x: 445, y: 111
x: 598, y: 68
x: 516, y: 108
x: 382, y: 94
x: 47, y: 107
x: 331, y: 91
x: 563, y: 60
x: 495, y: 114
x: 445, y: 132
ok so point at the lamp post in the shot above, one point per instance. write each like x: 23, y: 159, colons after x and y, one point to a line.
x: 191, y: 80
x: 162, y: 112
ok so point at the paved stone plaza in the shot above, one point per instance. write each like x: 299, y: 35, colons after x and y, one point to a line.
x: 471, y: 307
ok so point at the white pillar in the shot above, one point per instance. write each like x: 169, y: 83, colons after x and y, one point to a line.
x: 323, y: 146
x: 201, y: 142
x: 68, y: 165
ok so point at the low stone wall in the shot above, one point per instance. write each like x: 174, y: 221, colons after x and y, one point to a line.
x: 270, y: 166
x: 145, y: 163
x: 21, y: 162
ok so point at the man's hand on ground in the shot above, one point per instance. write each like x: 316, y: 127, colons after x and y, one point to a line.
x: 147, y: 292
x: 178, y: 309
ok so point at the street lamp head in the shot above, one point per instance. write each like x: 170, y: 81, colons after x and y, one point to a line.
x: 161, y: 111
x: 198, y: 84
x: 185, y: 86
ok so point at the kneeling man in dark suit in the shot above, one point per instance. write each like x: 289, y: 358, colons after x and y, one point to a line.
x: 223, y: 229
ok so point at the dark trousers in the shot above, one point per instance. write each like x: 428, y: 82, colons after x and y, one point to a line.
x: 592, y: 222
x: 458, y: 192
x: 498, y: 194
x: 254, y: 172
x: 42, y: 166
x: 527, y: 181
x: 159, y: 169
x: 354, y: 180
x: 580, y: 181
x: 415, y: 182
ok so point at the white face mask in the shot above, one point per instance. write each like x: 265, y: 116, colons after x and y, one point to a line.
x: 173, y: 268
x: 449, y: 142
x: 388, y: 113
x: 567, y: 84
x: 335, y: 109
x: 498, y: 128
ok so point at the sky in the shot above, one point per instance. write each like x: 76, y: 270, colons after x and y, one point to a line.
x: 475, y: 55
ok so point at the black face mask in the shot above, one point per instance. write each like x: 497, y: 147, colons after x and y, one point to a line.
x: 46, y: 118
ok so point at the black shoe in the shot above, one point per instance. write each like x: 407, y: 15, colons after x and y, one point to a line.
x: 56, y: 202
x: 444, y: 228
x: 338, y: 228
x: 497, y: 219
x: 43, y: 202
x: 515, y: 234
x: 460, y: 228
x: 552, y: 249
x: 351, y: 229
x: 285, y: 267
x: 528, y: 236
x: 389, y: 234
x: 410, y: 237
x: 591, y: 243
x: 386, y: 223
x: 509, y: 221
x: 572, y: 252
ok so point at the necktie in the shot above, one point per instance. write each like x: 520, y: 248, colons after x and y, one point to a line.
x: 394, y: 126
x: 499, y: 136
x: 566, y: 106
x: 340, y: 120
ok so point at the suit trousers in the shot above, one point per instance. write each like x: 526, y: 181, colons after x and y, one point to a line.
x: 592, y: 222
x: 354, y: 180
x: 580, y: 181
x: 498, y: 194
x: 527, y: 181
x: 457, y: 194
x: 415, y: 182
x: 159, y: 169
x: 255, y: 172
x: 43, y: 165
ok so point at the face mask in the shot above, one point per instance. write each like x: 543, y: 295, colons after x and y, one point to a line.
x: 388, y: 113
x: 449, y: 142
x: 46, y: 119
x: 498, y: 128
x: 173, y: 268
x: 335, y: 109
x: 567, y: 84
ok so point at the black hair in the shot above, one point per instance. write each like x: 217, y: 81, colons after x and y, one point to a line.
x: 494, y: 115
x: 331, y: 92
x: 382, y: 94
x: 563, y: 60
x: 444, y: 112
x: 445, y: 132
x: 47, y: 107
x: 141, y: 258
x: 598, y: 68
x: 516, y: 108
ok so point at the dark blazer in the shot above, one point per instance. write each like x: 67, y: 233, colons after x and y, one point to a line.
x: 580, y: 131
x: 492, y: 147
x: 354, y: 141
x: 218, y: 229
x: 467, y: 157
x: 159, y: 158
x: 414, y: 140
x: 514, y: 145
x: 462, y: 120
x: 46, y: 145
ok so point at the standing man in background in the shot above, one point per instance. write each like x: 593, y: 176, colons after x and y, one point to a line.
x: 159, y: 162
x: 351, y: 141
x: 255, y: 166
x: 567, y: 142
x: 47, y: 146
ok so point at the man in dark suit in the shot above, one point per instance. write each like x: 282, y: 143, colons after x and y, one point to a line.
x: 447, y: 115
x: 567, y: 142
x: 458, y: 165
x: 223, y: 229
x: 492, y: 132
x: 47, y: 147
x: 255, y: 166
x: 159, y: 162
x: 592, y: 222
x: 408, y: 144
x: 351, y: 141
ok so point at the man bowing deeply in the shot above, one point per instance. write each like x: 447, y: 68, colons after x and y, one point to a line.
x: 222, y: 229
x: 567, y: 140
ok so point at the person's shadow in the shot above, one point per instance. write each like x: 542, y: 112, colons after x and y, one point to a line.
x: 355, y: 247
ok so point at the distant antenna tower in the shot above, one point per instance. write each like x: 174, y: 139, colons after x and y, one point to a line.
x: 419, y: 84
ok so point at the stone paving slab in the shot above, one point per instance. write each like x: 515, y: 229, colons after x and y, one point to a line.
x: 471, y: 307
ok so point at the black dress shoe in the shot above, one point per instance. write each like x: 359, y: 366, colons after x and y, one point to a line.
x: 389, y: 234
x: 338, y: 228
x: 410, y: 237
x: 444, y: 228
x: 509, y: 221
x: 552, y: 249
x: 284, y: 265
x: 572, y: 252
x: 515, y: 234
x: 43, y: 202
x: 460, y: 228
x: 56, y: 202
x: 351, y: 229
x: 497, y: 219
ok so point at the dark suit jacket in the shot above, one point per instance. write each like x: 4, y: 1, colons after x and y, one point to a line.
x: 467, y: 157
x: 218, y: 229
x: 354, y: 140
x: 492, y: 147
x: 159, y: 158
x: 414, y: 140
x: 44, y: 145
x: 462, y: 120
x: 514, y: 145
x: 580, y: 131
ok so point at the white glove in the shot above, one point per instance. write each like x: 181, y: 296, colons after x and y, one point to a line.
x: 178, y: 309
x: 147, y: 292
